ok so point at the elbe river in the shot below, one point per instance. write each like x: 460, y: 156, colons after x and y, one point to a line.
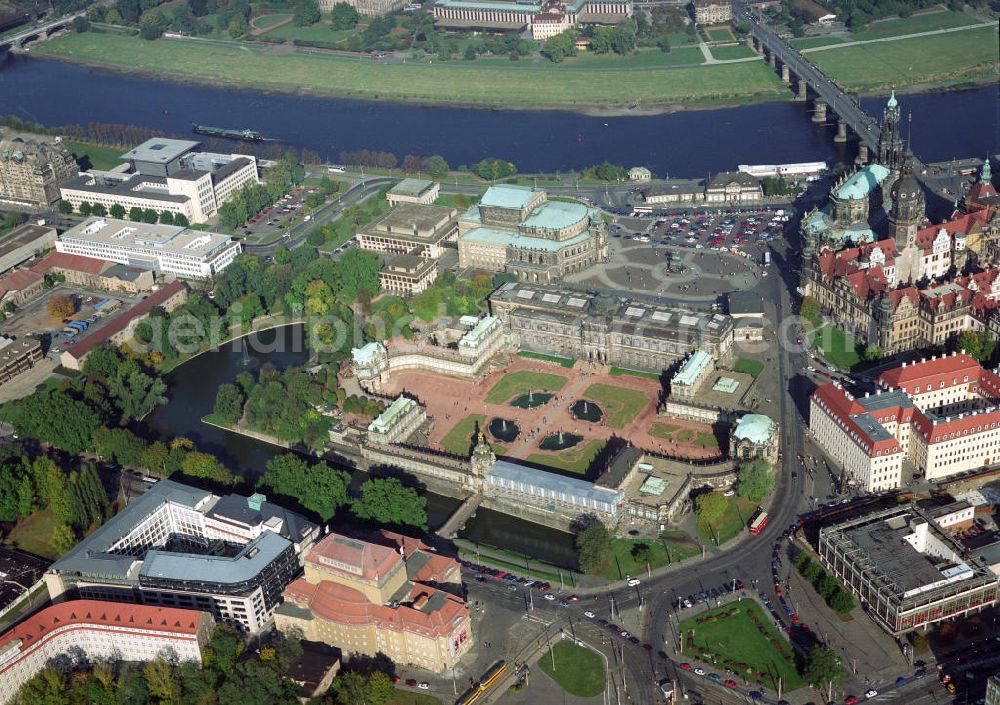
x: 687, y: 144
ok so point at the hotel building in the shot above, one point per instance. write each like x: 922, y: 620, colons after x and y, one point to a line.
x: 31, y: 171
x: 380, y: 597
x: 942, y: 415
x: 179, y: 546
x: 73, y: 633
x: 166, y: 175
x: 167, y: 249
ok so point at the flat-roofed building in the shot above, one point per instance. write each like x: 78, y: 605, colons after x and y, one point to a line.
x: 518, y: 230
x: 180, y: 546
x: 407, y: 274
x: 544, y: 18
x: 17, y: 356
x: 411, y: 229
x: 418, y: 191
x: 31, y: 171
x: 380, y: 596
x: 170, y: 249
x: 24, y: 242
x: 905, y: 570
x: 553, y: 494
x: 166, y: 175
x: 69, y: 633
x: 370, y: 8
x: 398, y: 422
x: 712, y: 11
x: 606, y: 330
x: 685, y: 384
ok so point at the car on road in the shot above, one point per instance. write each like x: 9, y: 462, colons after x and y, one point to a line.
x: 729, y: 683
x: 685, y: 666
x: 573, y: 598
x: 871, y: 693
x: 624, y: 634
x: 699, y: 671
x: 412, y: 682
x: 715, y: 677
x: 512, y: 587
x: 563, y: 603
x: 549, y: 596
x: 851, y: 700
x: 632, y: 582
x: 424, y: 685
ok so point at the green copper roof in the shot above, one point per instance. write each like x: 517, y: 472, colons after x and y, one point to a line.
x: 411, y: 187
x: 556, y: 215
x: 507, y: 196
x: 892, y: 100
x: 494, y: 236
x: 862, y: 182
x: 692, y: 368
x: 391, y: 416
x: 484, y: 326
x: 364, y: 355
x: 987, y: 174
x: 755, y: 428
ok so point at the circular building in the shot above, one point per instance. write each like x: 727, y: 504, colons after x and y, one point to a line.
x: 754, y: 436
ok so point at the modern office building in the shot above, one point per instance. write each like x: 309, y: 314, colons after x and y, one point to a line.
x: 606, y: 330
x: 906, y: 572
x: 407, y: 275
x: 418, y: 191
x: 179, y: 546
x: 24, y: 242
x: 413, y: 229
x: 517, y: 229
x: 166, y: 175
x: 380, y: 596
x: 31, y: 171
x: 544, y: 18
x: 166, y: 249
x: 942, y: 414
x: 73, y: 633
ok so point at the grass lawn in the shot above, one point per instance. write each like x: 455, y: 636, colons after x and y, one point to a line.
x: 669, y: 549
x: 662, y: 430
x: 737, y: 51
x: 737, y: 639
x: 576, y: 459
x: 685, y: 435
x: 507, y: 84
x: 731, y: 523
x: 566, y: 362
x: 412, y: 697
x: 650, y: 58
x: 719, y: 34
x: 459, y: 440
x: 578, y: 671
x: 318, y: 32
x: 749, y: 367
x: 619, y: 371
x: 620, y: 405
x: 923, y: 22
x: 102, y: 158
x: 267, y: 21
x: 32, y: 534
x: 518, y: 383
x: 706, y: 440
x: 811, y: 42
x: 836, y: 346
x: 544, y: 571
x: 456, y: 200
x: 969, y: 55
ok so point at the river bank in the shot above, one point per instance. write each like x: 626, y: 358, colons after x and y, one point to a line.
x: 961, y: 57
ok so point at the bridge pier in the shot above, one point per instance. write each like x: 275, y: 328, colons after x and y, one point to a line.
x: 841, y: 135
x: 772, y: 59
x: 786, y: 76
x: 803, y: 90
x: 862, y: 154
x: 820, y: 114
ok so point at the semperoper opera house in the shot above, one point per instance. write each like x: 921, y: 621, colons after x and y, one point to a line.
x: 606, y: 329
x: 517, y: 229
x: 179, y: 546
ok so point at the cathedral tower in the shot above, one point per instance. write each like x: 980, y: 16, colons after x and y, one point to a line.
x: 890, y: 142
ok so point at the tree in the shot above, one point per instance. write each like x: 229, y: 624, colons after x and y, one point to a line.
x: 306, y: 13
x: 559, y: 46
x: 152, y: 26
x: 61, y: 306
x: 711, y: 506
x: 120, y: 445
x: 872, y: 353
x: 161, y: 680
x: 181, y: 220
x: 343, y: 16
x: 812, y: 572
x: 355, y: 271
x: 62, y: 539
x: 224, y: 648
x: 135, y: 213
x: 823, y: 666
x: 135, y: 392
x: 229, y: 403
x: 827, y: 587
x: 842, y: 602
x: 150, y: 216
x: 388, y: 501
x: 755, y: 479
x: 664, y: 44
x: 56, y: 418
x: 318, y: 488
x: 83, y: 208
x: 205, y: 465
x: 81, y: 25
x: 436, y: 166
x: 593, y: 547
x: 65, y: 207
x: 979, y: 346
x: 494, y: 169
x: 166, y: 217
x: 379, y: 689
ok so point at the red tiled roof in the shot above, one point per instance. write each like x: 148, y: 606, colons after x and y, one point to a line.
x: 842, y: 407
x: 100, y: 613
x: 80, y: 350
x: 77, y: 263
x: 18, y: 280
x: 934, y: 371
x: 372, y: 560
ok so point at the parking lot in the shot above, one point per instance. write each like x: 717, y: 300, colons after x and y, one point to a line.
x: 276, y: 220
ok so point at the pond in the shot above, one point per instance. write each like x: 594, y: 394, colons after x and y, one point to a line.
x: 532, y: 400
x: 585, y: 410
x: 504, y: 430
x: 559, y: 441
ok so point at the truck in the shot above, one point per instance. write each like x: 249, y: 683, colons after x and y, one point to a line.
x: 767, y: 257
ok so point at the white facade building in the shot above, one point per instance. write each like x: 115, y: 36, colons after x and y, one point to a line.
x: 170, y: 249
x: 941, y: 414
x: 69, y: 633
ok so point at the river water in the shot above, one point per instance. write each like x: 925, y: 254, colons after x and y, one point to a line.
x: 682, y: 144
x: 192, y: 389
